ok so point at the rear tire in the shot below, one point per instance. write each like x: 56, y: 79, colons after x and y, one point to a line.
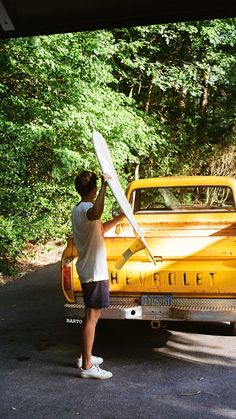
x: 233, y: 328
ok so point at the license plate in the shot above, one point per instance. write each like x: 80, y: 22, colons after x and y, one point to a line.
x: 156, y: 300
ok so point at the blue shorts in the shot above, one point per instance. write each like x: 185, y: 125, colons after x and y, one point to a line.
x: 96, y: 294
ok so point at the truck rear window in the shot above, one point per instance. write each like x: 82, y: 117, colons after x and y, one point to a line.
x: 184, y: 198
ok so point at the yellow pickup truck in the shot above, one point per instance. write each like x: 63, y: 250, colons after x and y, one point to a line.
x: 189, y: 224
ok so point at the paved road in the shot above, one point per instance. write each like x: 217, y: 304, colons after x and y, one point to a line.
x: 186, y: 371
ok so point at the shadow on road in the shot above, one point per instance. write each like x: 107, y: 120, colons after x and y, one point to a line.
x: 203, y: 328
x: 32, y: 308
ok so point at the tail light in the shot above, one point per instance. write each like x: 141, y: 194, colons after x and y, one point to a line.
x: 67, y: 273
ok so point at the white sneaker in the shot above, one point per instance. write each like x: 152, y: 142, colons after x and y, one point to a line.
x: 95, y: 372
x: 96, y: 360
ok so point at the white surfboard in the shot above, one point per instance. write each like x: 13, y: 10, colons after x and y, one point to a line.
x: 106, y: 164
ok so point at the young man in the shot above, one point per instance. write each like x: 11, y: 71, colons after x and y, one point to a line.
x: 91, y: 265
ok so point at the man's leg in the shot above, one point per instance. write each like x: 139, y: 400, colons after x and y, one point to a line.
x: 88, y: 334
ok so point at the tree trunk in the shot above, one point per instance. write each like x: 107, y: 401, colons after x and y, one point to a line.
x: 205, y: 93
x: 182, y: 99
x: 131, y: 92
x: 148, y: 101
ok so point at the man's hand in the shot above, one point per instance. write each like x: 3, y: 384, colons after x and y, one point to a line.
x: 111, y: 223
x: 104, y: 178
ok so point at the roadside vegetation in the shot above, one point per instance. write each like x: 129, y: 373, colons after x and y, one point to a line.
x: 163, y: 96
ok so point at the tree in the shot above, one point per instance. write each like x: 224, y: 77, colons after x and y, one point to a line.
x: 184, y: 76
x: 163, y: 96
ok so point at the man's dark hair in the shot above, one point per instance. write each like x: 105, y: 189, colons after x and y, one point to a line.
x: 85, y: 182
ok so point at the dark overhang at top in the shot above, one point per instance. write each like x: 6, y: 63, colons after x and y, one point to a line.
x: 43, y: 17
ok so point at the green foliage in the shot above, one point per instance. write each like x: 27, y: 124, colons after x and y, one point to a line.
x: 163, y: 96
x: 184, y: 75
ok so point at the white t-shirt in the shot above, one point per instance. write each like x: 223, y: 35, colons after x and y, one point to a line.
x: 88, y: 236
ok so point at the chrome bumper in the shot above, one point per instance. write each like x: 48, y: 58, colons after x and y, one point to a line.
x: 188, y: 309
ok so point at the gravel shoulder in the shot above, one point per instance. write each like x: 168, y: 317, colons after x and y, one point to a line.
x: 37, y: 257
